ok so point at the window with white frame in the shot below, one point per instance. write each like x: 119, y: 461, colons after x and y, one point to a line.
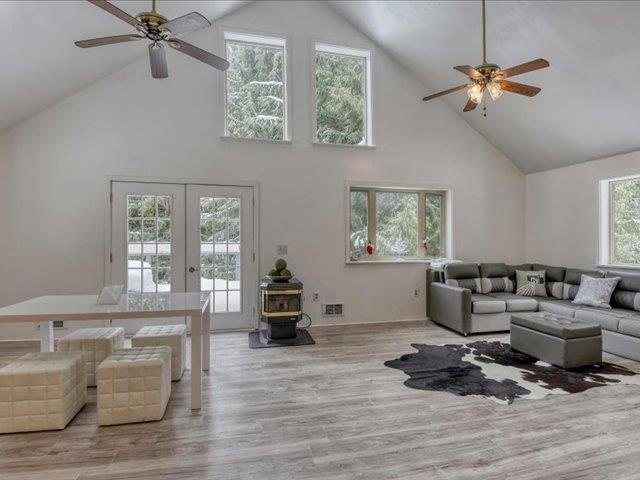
x: 396, y: 224
x: 256, y: 97
x: 342, y: 95
x: 620, y: 221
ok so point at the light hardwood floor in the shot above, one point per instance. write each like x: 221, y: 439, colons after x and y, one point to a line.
x: 334, y: 411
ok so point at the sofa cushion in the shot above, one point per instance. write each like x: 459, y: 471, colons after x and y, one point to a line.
x: 628, y: 280
x: 559, y: 307
x: 487, y: 304
x: 464, y: 275
x: 457, y: 271
x: 494, y: 278
x: 572, y: 281
x: 511, y: 269
x: 555, y: 278
x: 472, y: 284
x: 627, y: 293
x: 574, y: 275
x: 516, y: 303
x: 626, y: 299
x: 630, y: 326
x: 490, y: 270
x: 554, y: 274
x: 495, y: 284
x: 608, y: 319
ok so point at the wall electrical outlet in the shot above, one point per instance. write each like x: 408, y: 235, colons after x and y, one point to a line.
x: 416, y: 292
x: 316, y: 296
x: 281, y: 249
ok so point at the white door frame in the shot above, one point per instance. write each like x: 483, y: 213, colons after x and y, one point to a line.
x: 189, y: 181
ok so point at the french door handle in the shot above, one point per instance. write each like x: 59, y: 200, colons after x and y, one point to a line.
x: 192, y: 269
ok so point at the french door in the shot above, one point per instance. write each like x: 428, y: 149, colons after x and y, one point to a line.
x: 176, y: 237
x: 220, y: 255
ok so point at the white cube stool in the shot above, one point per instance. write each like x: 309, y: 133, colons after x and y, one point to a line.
x: 42, y: 391
x: 134, y: 385
x: 99, y: 342
x: 174, y: 336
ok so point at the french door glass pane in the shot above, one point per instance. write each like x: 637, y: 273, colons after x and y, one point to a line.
x: 148, y: 243
x: 220, y: 252
x: 397, y: 224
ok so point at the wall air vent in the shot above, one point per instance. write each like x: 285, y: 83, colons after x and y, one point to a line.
x: 332, y: 309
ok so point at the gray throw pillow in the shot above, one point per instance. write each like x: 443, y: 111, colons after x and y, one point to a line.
x: 530, y: 283
x: 595, y: 292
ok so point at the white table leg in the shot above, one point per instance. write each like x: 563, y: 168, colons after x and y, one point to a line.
x: 206, y: 338
x: 46, y: 336
x: 196, y: 362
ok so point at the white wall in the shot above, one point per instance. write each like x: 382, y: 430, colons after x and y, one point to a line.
x: 562, y: 210
x: 57, y: 164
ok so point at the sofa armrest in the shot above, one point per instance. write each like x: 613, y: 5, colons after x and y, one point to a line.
x: 451, y: 307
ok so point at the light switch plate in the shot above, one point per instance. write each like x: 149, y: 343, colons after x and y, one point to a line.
x: 281, y: 250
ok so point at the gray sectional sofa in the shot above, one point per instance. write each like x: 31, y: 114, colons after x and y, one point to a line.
x: 478, y: 298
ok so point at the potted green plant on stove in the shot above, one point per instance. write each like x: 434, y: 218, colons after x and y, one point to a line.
x: 280, y: 273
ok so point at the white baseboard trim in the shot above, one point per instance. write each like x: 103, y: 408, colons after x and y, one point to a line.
x: 395, y: 320
x: 21, y: 342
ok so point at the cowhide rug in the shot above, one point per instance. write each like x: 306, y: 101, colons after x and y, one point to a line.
x: 493, y: 370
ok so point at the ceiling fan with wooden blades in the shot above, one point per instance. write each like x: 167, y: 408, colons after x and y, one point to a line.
x: 490, y: 77
x: 155, y: 27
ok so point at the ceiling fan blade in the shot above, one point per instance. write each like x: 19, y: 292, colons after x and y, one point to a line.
x: 185, y: 24
x: 113, y: 10
x: 97, y: 42
x: 439, y: 94
x: 469, y: 106
x: 469, y: 71
x: 198, y: 54
x: 158, y: 60
x: 520, y: 88
x: 524, y: 68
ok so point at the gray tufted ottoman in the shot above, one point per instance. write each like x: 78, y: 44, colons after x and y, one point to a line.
x: 563, y: 341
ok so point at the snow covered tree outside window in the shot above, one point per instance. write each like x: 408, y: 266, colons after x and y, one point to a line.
x: 341, y: 96
x: 399, y: 224
x: 255, y: 103
x: 625, y: 222
x: 433, y: 224
x: 359, y: 222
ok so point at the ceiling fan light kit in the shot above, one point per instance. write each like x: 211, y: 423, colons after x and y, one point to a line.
x: 490, y: 78
x: 158, y: 29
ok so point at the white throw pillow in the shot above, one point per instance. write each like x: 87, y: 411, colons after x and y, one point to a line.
x: 531, y: 283
x: 596, y: 292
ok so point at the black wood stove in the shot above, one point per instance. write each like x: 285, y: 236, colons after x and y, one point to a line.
x: 280, y: 312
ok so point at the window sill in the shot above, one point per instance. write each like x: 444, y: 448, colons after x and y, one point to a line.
x: 390, y: 261
x: 619, y: 267
x: 345, y: 145
x: 228, y: 138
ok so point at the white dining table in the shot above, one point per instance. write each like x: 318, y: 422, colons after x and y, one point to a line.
x: 45, y: 310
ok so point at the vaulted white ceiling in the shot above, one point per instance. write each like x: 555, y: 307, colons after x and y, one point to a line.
x: 40, y: 63
x: 589, y: 106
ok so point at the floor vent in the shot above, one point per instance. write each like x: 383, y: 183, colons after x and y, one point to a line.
x: 332, y: 309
